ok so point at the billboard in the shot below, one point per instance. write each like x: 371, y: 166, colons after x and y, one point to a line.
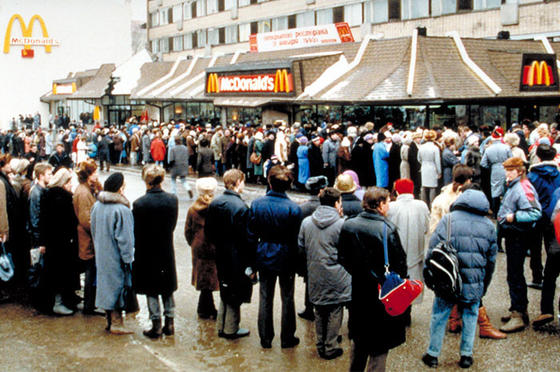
x: 539, y: 73
x: 272, y: 82
x: 26, y: 39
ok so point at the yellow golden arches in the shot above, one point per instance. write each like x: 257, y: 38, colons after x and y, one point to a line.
x: 26, y: 31
x: 212, y: 85
x: 281, y: 81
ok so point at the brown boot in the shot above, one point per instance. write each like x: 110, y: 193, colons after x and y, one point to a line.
x: 117, y: 324
x: 455, y: 324
x: 485, y: 328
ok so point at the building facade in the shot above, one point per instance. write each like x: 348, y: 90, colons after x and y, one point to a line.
x: 206, y: 27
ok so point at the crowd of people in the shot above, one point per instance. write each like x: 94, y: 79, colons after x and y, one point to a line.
x: 478, y: 189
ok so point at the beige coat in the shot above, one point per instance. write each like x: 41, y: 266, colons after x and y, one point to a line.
x: 441, y: 205
x: 83, y: 201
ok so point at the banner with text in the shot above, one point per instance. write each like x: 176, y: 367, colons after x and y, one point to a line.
x: 301, y: 37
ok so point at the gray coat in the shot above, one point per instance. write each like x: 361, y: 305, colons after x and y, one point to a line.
x: 179, y: 154
x: 430, y: 164
x: 493, y: 158
x: 328, y: 282
x: 112, y: 229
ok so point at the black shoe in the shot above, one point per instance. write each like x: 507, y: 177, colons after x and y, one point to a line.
x: 211, y: 315
x: 535, y: 285
x: 333, y: 355
x: 339, y: 339
x: 290, y: 343
x: 155, y: 331
x: 169, y: 327
x: 431, y: 361
x: 241, y: 332
x: 266, y: 344
x: 466, y: 361
x: 307, y: 315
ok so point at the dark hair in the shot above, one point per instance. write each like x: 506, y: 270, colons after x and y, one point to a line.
x: 329, y: 196
x: 178, y: 140
x: 461, y: 174
x: 280, y: 178
x: 85, y: 169
x: 5, y: 159
x: 546, y: 152
x: 204, y: 142
x: 373, y: 198
x: 231, y: 177
x: 471, y: 186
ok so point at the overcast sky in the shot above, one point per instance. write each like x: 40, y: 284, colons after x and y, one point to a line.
x: 138, y: 10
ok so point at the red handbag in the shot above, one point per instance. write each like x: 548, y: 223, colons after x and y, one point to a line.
x: 396, y: 293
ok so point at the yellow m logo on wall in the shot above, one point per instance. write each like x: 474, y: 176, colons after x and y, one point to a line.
x: 26, y: 31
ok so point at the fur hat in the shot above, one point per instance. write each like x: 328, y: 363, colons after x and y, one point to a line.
x: 514, y: 163
x: 404, y: 186
x: 317, y: 183
x: 60, y: 178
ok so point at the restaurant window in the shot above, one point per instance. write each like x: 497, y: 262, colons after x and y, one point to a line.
x: 380, y: 11
x: 549, y: 114
x: 353, y: 14
x: 178, y: 13
x: 292, y: 21
x: 414, y: 117
x: 279, y: 24
x: 254, y: 27
x: 394, y: 9
x: 264, y: 26
x: 357, y: 115
x: 488, y: 115
x: 244, y: 32
x: 163, y: 17
x: 388, y: 114
x: 324, y: 16
x: 305, y: 19
x: 193, y: 110
x: 231, y: 34
x: 187, y: 41
x: 329, y: 114
x: 464, y: 5
x: 187, y: 11
x: 306, y: 114
x: 415, y: 9
x: 177, y: 43
x: 338, y: 13
x: 154, y: 19
x: 201, y: 36
x: 211, y: 6
x: 213, y: 36
x: 450, y: 116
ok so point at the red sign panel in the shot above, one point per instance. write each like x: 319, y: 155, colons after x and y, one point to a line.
x: 27, y: 53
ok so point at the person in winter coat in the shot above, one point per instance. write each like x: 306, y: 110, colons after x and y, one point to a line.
x: 551, y: 269
x: 257, y: 149
x: 394, y: 160
x: 330, y: 151
x: 405, y: 165
x: 512, y: 140
x: 43, y: 174
x: 205, y: 160
x: 303, y: 161
x: 351, y: 205
x: 146, y: 142
x: 59, y: 225
x: 83, y: 200
x: 103, y: 152
x: 8, y: 214
x: 360, y: 251
x: 448, y: 160
x: 411, y: 217
x: 474, y: 238
x: 204, y: 273
x: 157, y: 149
x: 315, y: 158
x: 430, y: 167
x: 381, y: 159
x: 154, y: 272
x: 329, y: 283
x: 112, y: 231
x: 473, y: 158
x: 178, y: 158
x: 273, y: 230
x: 545, y: 177
x: 493, y: 157
x: 362, y: 160
x: 60, y: 158
x: 415, y: 175
x: 518, y: 214
x: 226, y: 228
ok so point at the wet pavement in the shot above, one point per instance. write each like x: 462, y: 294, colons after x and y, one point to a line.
x: 30, y: 341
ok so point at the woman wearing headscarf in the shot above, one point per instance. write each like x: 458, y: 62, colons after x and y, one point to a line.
x: 59, y: 225
x: 204, y: 274
x: 303, y: 161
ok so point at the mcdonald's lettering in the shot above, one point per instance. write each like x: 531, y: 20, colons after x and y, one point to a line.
x: 279, y: 82
x: 538, y: 73
x: 27, y: 39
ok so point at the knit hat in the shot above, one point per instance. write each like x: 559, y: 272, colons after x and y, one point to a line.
x: 345, y: 184
x: 303, y: 140
x: 60, y: 178
x: 206, y: 185
x: 114, y: 182
x: 404, y: 186
x: 498, y: 132
x: 514, y: 163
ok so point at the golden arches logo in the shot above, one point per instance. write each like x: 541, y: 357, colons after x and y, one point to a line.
x: 538, y: 73
x: 212, y: 85
x: 26, y: 31
x: 282, y: 81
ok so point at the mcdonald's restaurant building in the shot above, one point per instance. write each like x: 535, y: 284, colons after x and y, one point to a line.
x: 410, y: 81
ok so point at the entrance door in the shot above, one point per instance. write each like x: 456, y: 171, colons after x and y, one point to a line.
x: 118, y: 117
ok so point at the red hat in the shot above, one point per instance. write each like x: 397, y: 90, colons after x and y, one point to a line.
x: 498, y: 132
x: 404, y: 186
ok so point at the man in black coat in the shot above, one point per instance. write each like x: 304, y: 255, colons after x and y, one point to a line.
x: 60, y: 158
x: 415, y: 175
x: 154, y: 272
x: 226, y: 228
x: 360, y: 250
x: 315, y: 157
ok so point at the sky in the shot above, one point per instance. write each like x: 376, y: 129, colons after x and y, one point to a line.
x: 138, y: 10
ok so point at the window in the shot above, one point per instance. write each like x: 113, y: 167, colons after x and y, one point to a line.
x: 193, y: 9
x: 213, y: 36
x: 464, y: 5
x: 194, y: 40
x: 380, y: 9
x: 244, y: 2
x: 486, y: 4
x: 264, y: 26
x: 222, y: 35
x: 187, y: 11
x: 292, y: 21
x: 448, y: 6
x: 230, y: 4
x: 200, y: 8
x: 338, y: 13
x: 169, y: 44
x: 324, y: 16
x: 201, y: 38
x: 415, y: 9
x: 178, y: 13
x: 279, y: 24
x: 154, y: 19
x: 170, y: 15
x: 353, y: 14
x: 305, y: 19
x: 177, y: 43
x: 211, y: 6
x: 187, y: 41
x: 163, y: 17
x: 254, y: 27
x: 244, y: 32
x: 164, y: 45
x: 155, y: 46
x: 231, y: 34
x: 221, y: 5
x: 394, y: 9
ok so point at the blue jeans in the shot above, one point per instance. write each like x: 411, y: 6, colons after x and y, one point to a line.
x: 438, y: 323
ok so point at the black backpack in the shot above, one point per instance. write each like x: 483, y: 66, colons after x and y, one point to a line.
x: 441, y: 269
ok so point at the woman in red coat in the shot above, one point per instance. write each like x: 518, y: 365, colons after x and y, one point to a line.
x: 157, y: 149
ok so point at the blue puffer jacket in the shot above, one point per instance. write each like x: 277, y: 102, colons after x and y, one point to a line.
x: 521, y: 199
x: 273, y: 229
x: 545, y: 177
x: 474, y: 237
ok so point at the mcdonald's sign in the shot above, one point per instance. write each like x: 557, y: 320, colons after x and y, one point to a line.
x: 279, y: 81
x: 26, y: 39
x: 539, y: 73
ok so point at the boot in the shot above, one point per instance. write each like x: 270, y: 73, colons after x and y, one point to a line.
x: 169, y: 327
x: 117, y: 326
x: 455, y: 324
x: 515, y: 323
x: 486, y: 329
x: 59, y: 308
x: 155, y: 331
x: 108, y: 318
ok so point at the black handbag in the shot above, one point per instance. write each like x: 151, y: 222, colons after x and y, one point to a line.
x: 128, y: 301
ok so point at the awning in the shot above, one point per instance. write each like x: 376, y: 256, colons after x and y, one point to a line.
x: 241, y: 101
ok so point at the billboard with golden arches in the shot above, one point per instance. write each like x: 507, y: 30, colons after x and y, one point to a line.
x: 539, y: 73
x: 27, y: 40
